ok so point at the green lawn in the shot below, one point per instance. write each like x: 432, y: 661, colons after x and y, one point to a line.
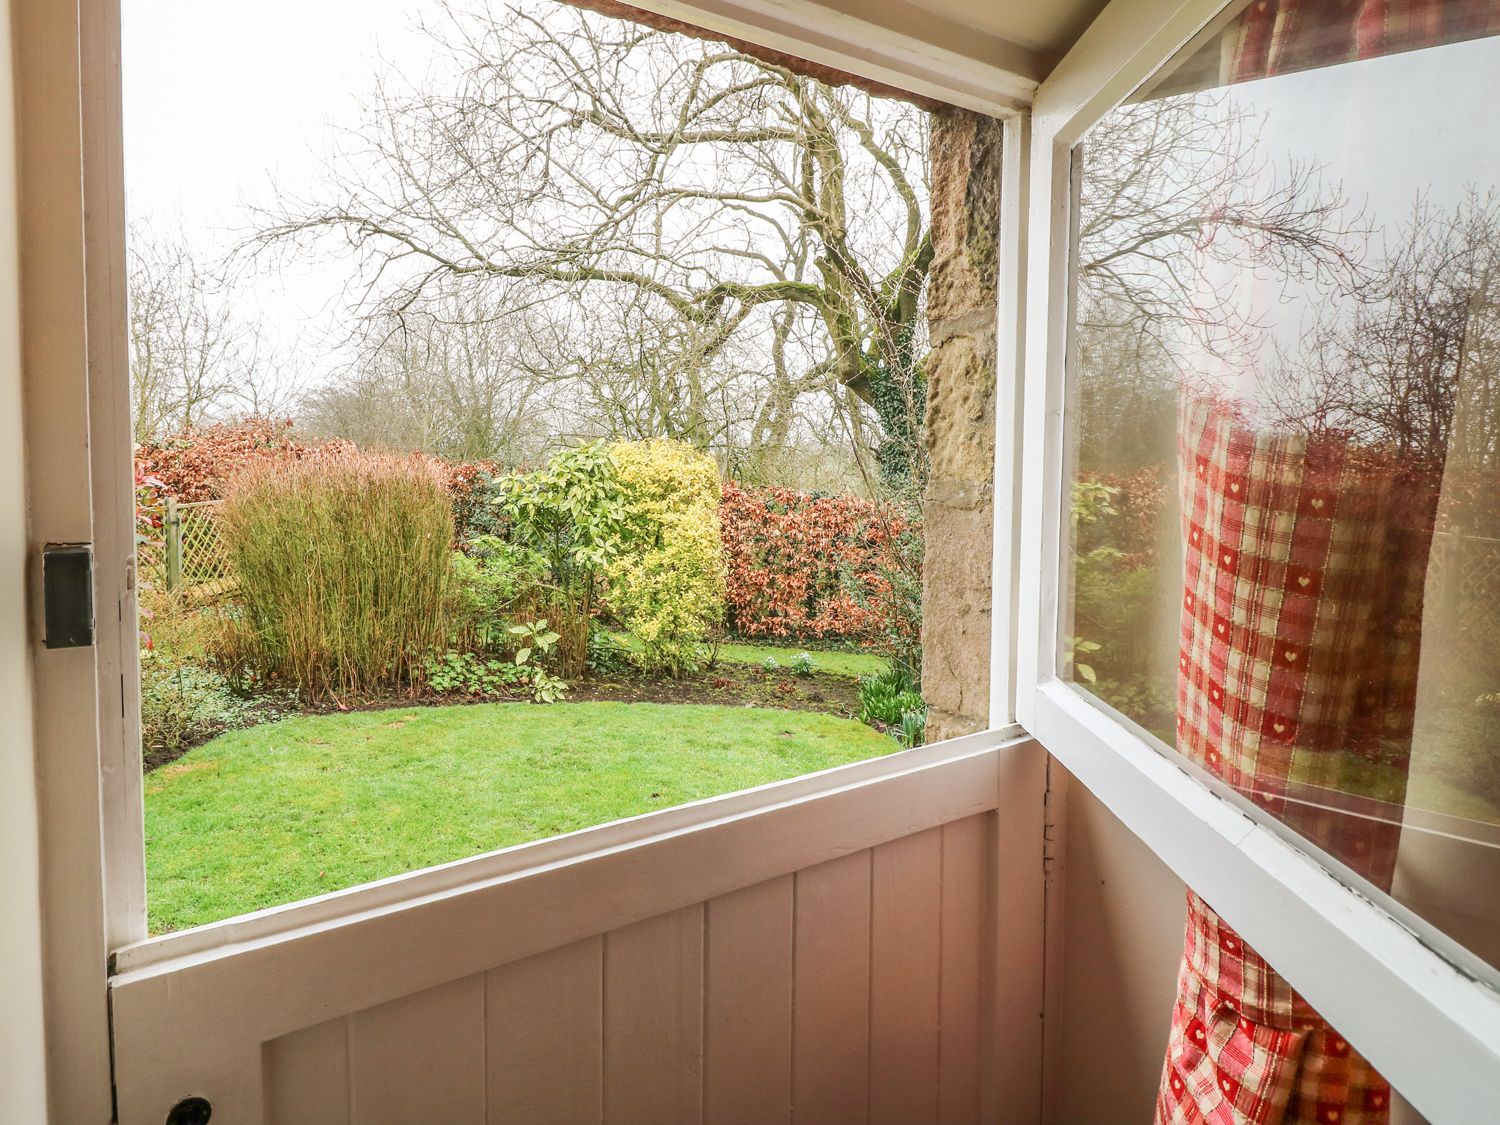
x: 286, y: 810
x: 835, y: 663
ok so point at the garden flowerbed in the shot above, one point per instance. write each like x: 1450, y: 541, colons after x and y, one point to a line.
x: 730, y: 684
x: 311, y: 804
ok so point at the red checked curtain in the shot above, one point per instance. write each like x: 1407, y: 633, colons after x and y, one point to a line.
x: 1283, y: 36
x: 1305, y: 564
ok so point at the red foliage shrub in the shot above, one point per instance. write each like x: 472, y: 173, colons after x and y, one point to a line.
x: 198, y: 464
x: 1135, y: 527
x: 804, y: 565
x: 195, y: 465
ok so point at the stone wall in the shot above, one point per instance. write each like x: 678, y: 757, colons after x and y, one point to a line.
x: 958, y: 508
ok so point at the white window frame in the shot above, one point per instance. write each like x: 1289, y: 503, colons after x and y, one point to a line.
x: 1423, y: 1010
x: 96, y: 896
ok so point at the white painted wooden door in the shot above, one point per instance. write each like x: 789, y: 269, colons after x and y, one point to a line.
x: 821, y: 950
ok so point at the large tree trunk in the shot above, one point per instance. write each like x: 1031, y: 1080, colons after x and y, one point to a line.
x: 958, y: 508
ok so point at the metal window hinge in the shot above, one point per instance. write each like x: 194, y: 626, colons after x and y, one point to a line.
x: 1049, y: 825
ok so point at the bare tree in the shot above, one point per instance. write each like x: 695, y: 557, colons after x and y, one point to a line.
x: 447, y: 377
x: 1177, y: 202
x: 720, y: 199
x: 621, y: 366
x: 192, y: 359
x: 1409, y: 359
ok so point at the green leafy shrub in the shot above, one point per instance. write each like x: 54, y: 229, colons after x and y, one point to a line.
x: 464, y: 673
x: 535, y: 641
x: 607, y: 656
x: 1117, y: 580
x: 913, y: 729
x: 488, y: 588
x: 667, y: 586
x: 476, y: 604
x: 1076, y: 647
x: 1149, y: 699
x: 533, y: 638
x: 571, y: 518
x: 886, y: 696
x: 343, y: 566
x: 547, y: 688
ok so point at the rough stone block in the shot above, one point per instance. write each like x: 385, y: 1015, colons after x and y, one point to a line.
x: 956, y: 600
x: 961, y: 409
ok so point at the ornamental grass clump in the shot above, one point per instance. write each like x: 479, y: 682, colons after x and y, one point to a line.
x: 342, y: 564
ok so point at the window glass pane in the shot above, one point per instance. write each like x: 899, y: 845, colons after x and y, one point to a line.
x: 532, y: 430
x: 1284, y: 422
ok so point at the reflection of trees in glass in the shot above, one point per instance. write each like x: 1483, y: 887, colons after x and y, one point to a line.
x: 1176, y: 205
x: 1396, y: 360
x: 1407, y: 359
x: 1406, y: 363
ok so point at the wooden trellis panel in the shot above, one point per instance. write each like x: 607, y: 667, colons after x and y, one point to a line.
x: 195, y: 553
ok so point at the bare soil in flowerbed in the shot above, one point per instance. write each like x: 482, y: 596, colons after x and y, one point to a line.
x: 835, y: 695
x: 728, y: 684
x: 723, y: 686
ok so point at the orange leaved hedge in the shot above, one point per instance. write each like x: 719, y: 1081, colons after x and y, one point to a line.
x: 803, y: 565
x: 199, y: 464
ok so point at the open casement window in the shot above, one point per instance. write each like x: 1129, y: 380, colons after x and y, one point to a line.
x: 1259, y: 581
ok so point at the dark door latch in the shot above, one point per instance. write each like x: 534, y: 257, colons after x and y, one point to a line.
x: 68, y: 595
x: 191, y: 1111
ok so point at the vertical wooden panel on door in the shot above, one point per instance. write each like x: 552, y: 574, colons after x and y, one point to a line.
x: 905, y: 948
x: 307, y: 1076
x: 965, y: 899
x: 653, y: 1020
x: 747, y: 1032
x: 545, y: 1031
x: 831, y: 992
x: 420, y: 1058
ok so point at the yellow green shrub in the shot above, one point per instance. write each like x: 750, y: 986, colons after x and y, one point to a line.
x: 667, y: 586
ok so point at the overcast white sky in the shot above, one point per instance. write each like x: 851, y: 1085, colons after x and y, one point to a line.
x: 221, y: 101
x: 219, y: 98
